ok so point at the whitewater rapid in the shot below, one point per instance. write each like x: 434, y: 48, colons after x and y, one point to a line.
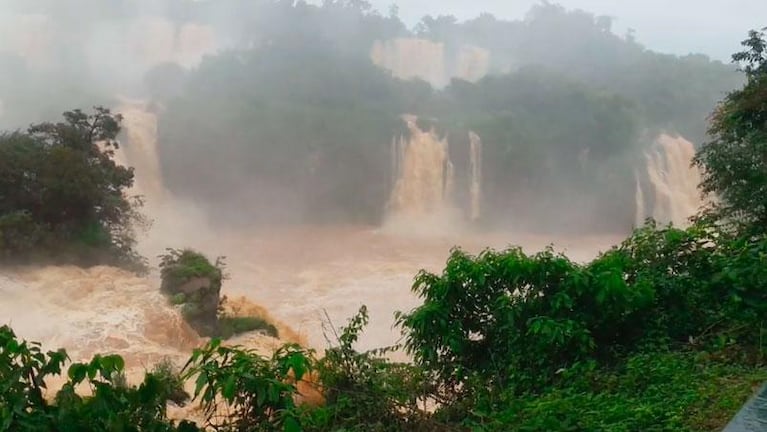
x: 97, y: 310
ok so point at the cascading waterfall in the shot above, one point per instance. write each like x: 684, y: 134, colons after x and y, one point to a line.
x: 641, y: 212
x: 472, y: 63
x: 154, y: 40
x: 475, y: 175
x: 409, y: 58
x: 423, y: 195
x: 672, y: 182
x: 138, y: 149
x: 424, y: 173
x: 121, y: 49
x: 173, y: 219
x: 412, y: 58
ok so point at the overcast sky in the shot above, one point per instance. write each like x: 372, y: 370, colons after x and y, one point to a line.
x: 713, y: 27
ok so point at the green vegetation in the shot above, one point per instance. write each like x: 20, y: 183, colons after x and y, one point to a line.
x: 517, y: 342
x: 181, y: 266
x: 660, y: 385
x: 112, y: 406
x: 192, y: 282
x: 736, y: 170
x: 230, y: 326
x: 311, y: 140
x: 654, y: 391
x: 258, y: 391
x: 660, y: 288
x: 172, y: 382
x: 63, y: 197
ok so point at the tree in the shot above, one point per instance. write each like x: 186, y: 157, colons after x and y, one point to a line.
x: 735, y: 160
x: 61, y: 192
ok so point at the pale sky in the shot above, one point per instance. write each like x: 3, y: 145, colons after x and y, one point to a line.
x: 713, y: 27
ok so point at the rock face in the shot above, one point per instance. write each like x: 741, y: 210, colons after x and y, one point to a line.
x: 199, y: 298
x: 192, y: 282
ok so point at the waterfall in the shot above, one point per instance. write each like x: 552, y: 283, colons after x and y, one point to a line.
x: 138, y: 149
x: 175, y: 221
x: 412, y: 58
x: 423, y: 193
x: 472, y: 63
x: 409, y: 58
x: 641, y: 213
x: 155, y: 40
x: 671, y: 182
x: 424, y: 173
x: 475, y: 175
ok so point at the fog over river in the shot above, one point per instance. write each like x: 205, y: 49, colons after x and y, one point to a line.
x: 555, y: 163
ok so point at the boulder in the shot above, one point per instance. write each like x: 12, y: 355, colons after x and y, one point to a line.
x: 194, y: 285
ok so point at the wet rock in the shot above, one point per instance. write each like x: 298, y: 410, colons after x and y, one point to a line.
x: 193, y: 283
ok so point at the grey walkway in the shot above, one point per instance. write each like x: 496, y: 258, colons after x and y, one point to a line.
x: 753, y: 416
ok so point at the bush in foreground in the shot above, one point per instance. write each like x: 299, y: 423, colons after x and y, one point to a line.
x: 112, y: 405
x: 508, y: 329
x: 230, y: 326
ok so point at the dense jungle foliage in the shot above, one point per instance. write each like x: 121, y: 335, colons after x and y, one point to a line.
x: 734, y: 162
x: 62, y: 195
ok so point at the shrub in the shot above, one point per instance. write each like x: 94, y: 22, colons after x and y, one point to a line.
x: 663, y: 391
x: 178, y: 299
x: 166, y: 372
x: 23, y: 370
x: 112, y: 406
x: 506, y: 320
x: 192, y: 281
x: 178, y: 266
x: 366, y: 392
x: 256, y: 391
x: 230, y: 326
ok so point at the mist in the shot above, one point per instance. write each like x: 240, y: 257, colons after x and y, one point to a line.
x: 333, y: 150
x: 283, y: 113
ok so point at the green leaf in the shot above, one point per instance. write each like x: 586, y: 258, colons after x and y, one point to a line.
x: 260, y: 396
x: 202, y: 380
x: 77, y: 372
x: 291, y: 425
x: 229, y: 388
